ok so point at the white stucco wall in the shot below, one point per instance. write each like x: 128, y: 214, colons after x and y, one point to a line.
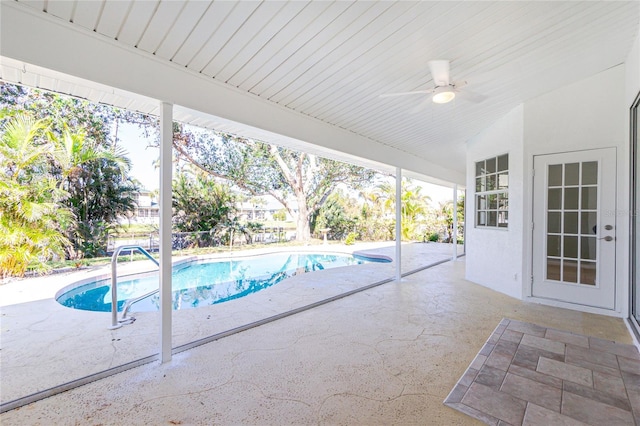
x: 632, y: 72
x: 493, y: 256
x: 588, y: 114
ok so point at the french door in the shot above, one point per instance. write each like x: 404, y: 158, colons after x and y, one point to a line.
x: 574, y: 229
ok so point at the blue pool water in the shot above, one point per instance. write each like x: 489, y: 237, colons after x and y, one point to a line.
x: 205, y: 282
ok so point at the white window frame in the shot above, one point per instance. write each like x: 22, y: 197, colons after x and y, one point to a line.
x: 491, y: 198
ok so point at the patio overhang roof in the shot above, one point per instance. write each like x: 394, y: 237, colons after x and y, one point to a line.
x: 311, y: 79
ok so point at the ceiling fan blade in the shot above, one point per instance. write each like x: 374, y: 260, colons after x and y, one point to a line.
x: 415, y: 92
x: 421, y: 106
x: 440, y: 72
x: 459, y: 84
x: 472, y: 96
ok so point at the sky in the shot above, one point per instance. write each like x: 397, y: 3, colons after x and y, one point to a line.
x: 131, y: 138
x: 143, y: 157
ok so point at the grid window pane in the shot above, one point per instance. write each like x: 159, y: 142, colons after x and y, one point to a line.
x: 479, y: 168
x: 492, y: 218
x: 493, y: 201
x: 503, y: 180
x: 503, y: 163
x: 491, y: 165
x: 481, y: 202
x: 503, y: 219
x: 482, y: 219
x: 480, y: 184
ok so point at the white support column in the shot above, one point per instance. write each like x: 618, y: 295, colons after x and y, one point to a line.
x: 166, y: 164
x: 455, y: 222
x: 398, y: 223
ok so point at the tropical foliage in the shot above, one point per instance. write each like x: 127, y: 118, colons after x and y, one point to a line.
x: 260, y: 168
x: 83, y: 162
x: 31, y: 219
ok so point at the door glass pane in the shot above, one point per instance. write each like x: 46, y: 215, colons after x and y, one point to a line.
x: 590, y: 198
x: 555, y: 175
x: 570, y: 271
x: 588, y: 222
x: 571, y: 198
x: 570, y: 247
x: 553, y: 222
x: 588, y: 273
x: 590, y: 173
x: 555, y: 199
x: 553, y: 269
x: 588, y: 248
x: 553, y: 245
x: 572, y: 174
x: 571, y: 223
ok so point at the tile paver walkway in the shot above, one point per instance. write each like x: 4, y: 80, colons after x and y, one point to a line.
x: 531, y: 375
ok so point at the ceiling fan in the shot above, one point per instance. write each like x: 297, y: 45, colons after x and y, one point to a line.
x: 445, y: 90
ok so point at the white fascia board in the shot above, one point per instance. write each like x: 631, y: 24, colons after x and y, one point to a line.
x: 39, y: 39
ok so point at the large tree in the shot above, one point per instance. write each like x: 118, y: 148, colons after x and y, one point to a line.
x: 301, y: 182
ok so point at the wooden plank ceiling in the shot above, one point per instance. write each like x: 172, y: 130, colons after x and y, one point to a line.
x: 332, y: 60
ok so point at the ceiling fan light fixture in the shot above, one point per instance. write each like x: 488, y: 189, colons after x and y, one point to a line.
x: 443, y: 94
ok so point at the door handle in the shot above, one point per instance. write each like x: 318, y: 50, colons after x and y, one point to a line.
x: 607, y: 238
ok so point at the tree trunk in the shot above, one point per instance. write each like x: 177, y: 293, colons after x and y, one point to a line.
x: 303, y: 229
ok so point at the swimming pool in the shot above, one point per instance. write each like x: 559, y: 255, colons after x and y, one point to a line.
x: 205, y: 282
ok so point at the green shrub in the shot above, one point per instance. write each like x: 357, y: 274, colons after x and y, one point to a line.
x: 434, y: 237
x: 351, y: 238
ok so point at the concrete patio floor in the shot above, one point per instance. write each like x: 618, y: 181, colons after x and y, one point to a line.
x: 387, y: 355
x: 44, y: 344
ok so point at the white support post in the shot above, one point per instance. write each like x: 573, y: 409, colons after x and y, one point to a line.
x: 166, y: 164
x: 455, y: 222
x: 398, y: 223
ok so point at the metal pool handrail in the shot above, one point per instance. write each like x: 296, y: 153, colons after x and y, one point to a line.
x: 114, y: 280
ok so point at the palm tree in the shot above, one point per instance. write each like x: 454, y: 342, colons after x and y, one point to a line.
x: 30, y: 214
x: 413, y: 208
x: 95, y: 176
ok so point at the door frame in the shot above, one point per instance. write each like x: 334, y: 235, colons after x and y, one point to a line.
x: 634, y: 142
